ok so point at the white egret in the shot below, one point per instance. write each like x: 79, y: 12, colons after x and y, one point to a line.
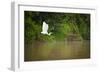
x: 45, y: 28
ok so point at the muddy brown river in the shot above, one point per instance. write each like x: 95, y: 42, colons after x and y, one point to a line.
x: 57, y: 50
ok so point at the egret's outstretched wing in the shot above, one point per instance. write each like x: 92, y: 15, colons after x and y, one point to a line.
x: 44, y: 28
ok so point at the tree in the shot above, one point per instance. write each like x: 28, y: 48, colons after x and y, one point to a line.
x: 60, y: 24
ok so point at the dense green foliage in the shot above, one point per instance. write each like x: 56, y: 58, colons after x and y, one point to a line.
x: 62, y: 26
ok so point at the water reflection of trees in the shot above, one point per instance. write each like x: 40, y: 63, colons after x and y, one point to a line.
x: 57, y: 50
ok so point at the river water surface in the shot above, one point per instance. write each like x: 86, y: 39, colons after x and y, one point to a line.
x: 57, y: 50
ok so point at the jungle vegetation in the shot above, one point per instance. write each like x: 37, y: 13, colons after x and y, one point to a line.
x: 64, y: 26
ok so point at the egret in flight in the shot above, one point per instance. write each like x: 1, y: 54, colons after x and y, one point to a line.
x: 45, y: 28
